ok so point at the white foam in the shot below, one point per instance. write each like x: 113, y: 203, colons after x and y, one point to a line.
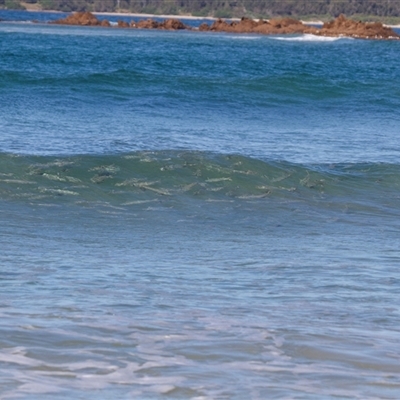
x: 17, y: 181
x: 58, y: 191
x: 197, y: 351
x: 311, y: 38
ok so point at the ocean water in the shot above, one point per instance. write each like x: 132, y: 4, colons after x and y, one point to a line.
x: 189, y: 215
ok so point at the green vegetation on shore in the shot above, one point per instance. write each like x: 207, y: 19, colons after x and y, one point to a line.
x: 384, y: 10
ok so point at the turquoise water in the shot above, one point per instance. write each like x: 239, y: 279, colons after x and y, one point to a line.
x: 198, y: 216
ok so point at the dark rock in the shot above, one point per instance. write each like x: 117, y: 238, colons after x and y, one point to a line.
x: 342, y: 26
x: 204, y: 27
x: 79, y: 18
x: 122, y: 24
x: 148, y: 24
x: 174, y: 24
x: 105, y: 23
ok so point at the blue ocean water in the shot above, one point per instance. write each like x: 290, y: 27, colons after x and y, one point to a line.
x: 197, y: 215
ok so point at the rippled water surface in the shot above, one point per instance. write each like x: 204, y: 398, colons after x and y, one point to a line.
x: 191, y: 215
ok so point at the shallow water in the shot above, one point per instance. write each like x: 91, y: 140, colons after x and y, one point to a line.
x: 188, y: 215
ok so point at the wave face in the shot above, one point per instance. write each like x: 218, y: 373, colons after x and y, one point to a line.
x: 194, y: 215
x: 175, y: 178
x: 173, y: 173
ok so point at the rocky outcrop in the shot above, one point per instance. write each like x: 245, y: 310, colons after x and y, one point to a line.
x: 204, y: 27
x: 174, y: 24
x: 88, y: 19
x: 168, y: 24
x: 80, y: 18
x: 246, y: 25
x: 105, y: 23
x: 122, y: 24
x: 341, y: 26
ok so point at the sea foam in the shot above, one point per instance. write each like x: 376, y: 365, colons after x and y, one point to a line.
x: 311, y: 38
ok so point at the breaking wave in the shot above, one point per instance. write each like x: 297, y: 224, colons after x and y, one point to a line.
x: 312, y: 38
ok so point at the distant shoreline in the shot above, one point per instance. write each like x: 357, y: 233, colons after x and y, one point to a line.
x: 134, y: 15
x: 166, y: 16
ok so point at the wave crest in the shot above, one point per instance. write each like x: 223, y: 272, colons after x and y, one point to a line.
x: 171, y: 176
